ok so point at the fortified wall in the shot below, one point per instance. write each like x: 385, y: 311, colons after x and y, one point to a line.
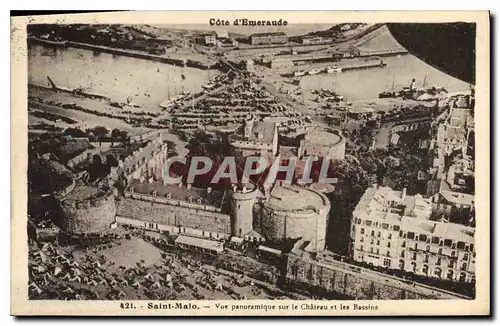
x: 149, y: 208
x: 356, y: 282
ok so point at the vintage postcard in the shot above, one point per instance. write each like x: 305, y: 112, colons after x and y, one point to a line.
x: 251, y: 164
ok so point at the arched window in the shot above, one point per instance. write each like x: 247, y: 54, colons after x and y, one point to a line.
x: 425, y: 269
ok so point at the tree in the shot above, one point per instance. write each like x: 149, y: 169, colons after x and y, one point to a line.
x: 100, y: 131
x: 74, y: 132
x: 116, y: 133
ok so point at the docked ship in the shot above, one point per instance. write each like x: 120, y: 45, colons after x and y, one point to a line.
x: 77, y: 91
x: 370, y: 63
x: 299, y: 73
x: 85, y: 93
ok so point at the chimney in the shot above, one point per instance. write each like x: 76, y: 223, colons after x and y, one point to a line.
x: 403, y: 194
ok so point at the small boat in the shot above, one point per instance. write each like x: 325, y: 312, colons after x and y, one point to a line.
x: 314, y: 71
x: 333, y: 69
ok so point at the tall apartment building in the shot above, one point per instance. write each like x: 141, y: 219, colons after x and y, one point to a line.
x: 393, y: 230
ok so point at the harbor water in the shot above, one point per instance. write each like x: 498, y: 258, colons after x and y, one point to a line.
x: 143, y: 82
x: 365, y: 84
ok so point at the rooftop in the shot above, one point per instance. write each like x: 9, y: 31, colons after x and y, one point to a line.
x: 414, y: 217
x: 84, y: 192
x: 183, y: 193
x: 144, y: 152
x: 455, y: 197
x: 443, y: 230
x: 384, y: 199
x: 323, y: 138
x: 295, y: 198
x: 268, y: 34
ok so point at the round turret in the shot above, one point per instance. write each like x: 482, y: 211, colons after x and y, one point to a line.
x: 243, y: 198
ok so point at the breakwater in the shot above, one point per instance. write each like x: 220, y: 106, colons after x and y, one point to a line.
x: 128, y: 53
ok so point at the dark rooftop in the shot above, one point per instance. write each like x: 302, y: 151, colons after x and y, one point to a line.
x: 268, y: 34
x: 70, y: 147
x: 214, y: 198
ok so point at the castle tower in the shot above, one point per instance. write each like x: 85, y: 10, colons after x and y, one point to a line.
x: 243, y: 198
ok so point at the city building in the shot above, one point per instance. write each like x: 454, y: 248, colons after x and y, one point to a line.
x: 452, y: 180
x: 222, y: 34
x: 393, y: 230
x: 455, y: 131
x: 259, y: 138
x: 249, y: 65
x: 311, y: 40
x: 226, y: 43
x: 207, y: 39
x: 268, y: 38
x: 174, y: 209
x: 281, y: 64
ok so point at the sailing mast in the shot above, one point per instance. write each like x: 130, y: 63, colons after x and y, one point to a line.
x: 183, y: 77
x: 168, y: 84
x: 424, y: 83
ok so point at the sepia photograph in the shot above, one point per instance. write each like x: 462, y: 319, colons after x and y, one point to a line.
x: 212, y: 165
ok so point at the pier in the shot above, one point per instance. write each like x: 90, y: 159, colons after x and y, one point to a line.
x: 128, y: 53
x: 382, y: 53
